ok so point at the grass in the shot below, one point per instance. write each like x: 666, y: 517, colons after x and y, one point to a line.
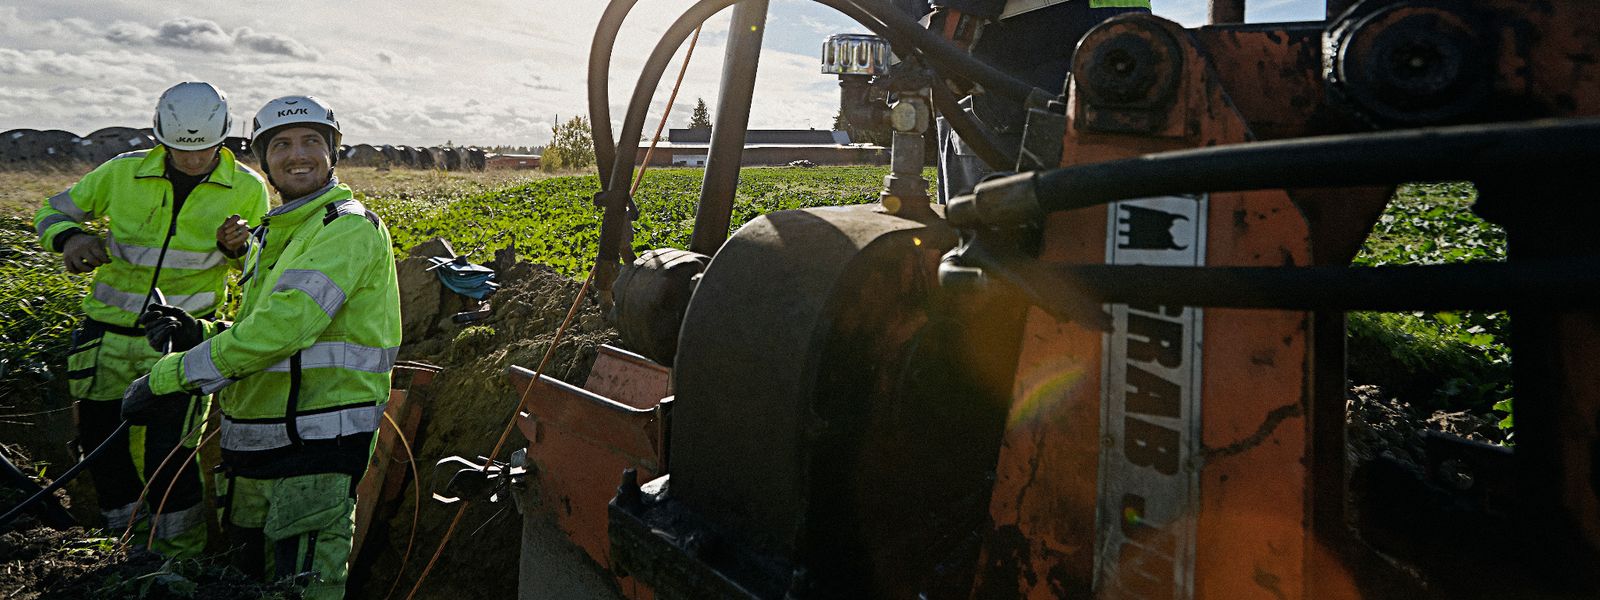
x: 554, y: 221
x: 39, y: 307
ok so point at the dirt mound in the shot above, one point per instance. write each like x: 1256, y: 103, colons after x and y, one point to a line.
x: 38, y: 562
x: 466, y: 408
x: 1381, y: 425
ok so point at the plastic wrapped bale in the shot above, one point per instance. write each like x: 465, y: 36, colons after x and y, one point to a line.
x: 363, y: 155
x: 105, y: 144
x: 12, y: 146
x: 392, y: 156
x: 53, y: 147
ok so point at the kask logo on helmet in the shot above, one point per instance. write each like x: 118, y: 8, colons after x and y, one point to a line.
x: 191, y: 140
x: 293, y: 111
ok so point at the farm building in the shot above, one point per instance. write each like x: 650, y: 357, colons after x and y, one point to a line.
x: 689, y: 147
x: 513, y: 161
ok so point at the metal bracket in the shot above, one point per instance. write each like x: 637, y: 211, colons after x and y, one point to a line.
x: 471, y: 480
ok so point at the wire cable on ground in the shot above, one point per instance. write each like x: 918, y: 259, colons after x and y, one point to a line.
x: 16, y: 511
x: 510, y: 424
x: 127, y: 534
x: 416, y: 505
x: 155, y: 519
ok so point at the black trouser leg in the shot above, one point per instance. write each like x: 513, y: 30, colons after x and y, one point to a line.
x: 116, y: 481
x: 162, y: 441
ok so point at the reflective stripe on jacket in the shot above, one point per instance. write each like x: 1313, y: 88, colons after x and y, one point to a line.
x: 304, y: 371
x: 133, y: 192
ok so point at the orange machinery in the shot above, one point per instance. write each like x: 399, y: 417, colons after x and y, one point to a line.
x: 1118, y: 373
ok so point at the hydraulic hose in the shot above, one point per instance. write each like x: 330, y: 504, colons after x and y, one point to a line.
x: 948, y: 57
x: 989, y: 149
x: 605, y: 39
x: 50, y: 513
x: 64, y: 478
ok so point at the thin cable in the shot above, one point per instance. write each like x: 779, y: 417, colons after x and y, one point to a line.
x: 644, y: 166
x: 127, y: 534
x: 438, y: 551
x: 416, y: 505
x: 510, y: 424
x: 155, y: 519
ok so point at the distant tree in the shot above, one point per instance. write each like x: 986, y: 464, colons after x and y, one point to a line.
x: 701, y: 119
x: 571, y: 146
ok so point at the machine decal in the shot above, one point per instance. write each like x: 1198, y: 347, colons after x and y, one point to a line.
x: 1150, y: 411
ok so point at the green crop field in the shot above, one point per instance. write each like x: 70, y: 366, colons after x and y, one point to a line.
x: 554, y: 221
x: 1435, y: 360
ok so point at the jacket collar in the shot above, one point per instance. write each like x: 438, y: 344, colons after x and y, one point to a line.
x: 296, y: 210
x: 155, y: 165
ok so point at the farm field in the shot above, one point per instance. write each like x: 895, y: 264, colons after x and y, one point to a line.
x: 1405, y: 367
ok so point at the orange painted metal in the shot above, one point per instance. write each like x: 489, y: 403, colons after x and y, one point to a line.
x: 387, y: 475
x: 581, y: 439
x: 1250, y: 516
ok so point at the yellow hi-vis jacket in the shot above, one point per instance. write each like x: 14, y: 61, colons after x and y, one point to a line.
x: 132, y: 190
x: 303, y: 373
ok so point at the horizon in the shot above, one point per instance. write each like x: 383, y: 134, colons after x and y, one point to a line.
x: 484, y: 74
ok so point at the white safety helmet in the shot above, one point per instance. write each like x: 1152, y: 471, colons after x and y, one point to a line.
x: 192, y: 115
x: 294, y: 111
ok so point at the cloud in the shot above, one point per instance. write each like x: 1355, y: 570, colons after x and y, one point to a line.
x: 194, y: 34
x: 273, y: 43
x: 190, y: 33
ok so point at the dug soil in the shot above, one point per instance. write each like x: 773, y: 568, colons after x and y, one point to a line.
x: 467, y: 406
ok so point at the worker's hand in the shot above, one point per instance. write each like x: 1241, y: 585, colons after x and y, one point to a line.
x: 83, y: 252
x: 233, y: 236
x: 170, y: 329
x: 141, y: 406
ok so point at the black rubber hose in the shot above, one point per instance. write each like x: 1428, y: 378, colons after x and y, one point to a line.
x: 1463, y: 152
x: 17, y: 510
x: 948, y: 57
x: 50, y: 513
x: 989, y: 149
x: 605, y: 40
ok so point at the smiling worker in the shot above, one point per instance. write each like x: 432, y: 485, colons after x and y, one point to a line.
x: 162, y: 206
x: 304, y: 372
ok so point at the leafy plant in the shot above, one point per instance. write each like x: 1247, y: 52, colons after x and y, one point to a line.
x: 1442, y: 360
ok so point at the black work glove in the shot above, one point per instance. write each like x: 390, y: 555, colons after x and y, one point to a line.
x: 170, y: 329
x: 140, y: 406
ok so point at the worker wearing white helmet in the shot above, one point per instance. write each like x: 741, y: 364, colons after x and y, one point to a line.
x: 162, y: 206
x: 303, y: 373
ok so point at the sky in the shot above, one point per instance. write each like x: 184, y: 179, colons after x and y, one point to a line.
x: 481, y: 72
